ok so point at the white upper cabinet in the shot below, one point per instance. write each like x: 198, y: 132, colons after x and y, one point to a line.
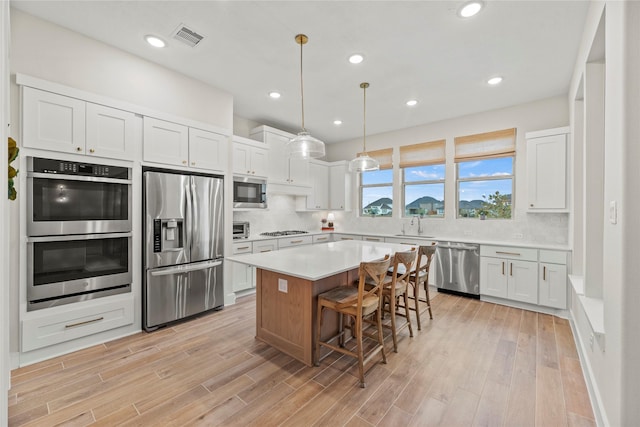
x: 165, y: 142
x: 175, y: 144
x: 110, y: 132
x: 207, y: 150
x: 250, y: 157
x: 319, y: 178
x: 282, y: 169
x: 69, y: 125
x: 547, y: 170
x: 339, y: 186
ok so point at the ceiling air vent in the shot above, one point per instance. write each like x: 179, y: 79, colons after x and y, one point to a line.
x: 187, y: 36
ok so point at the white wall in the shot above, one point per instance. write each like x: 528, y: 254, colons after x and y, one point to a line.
x: 615, y: 369
x: 4, y: 224
x: 52, y: 53
x: 539, y: 228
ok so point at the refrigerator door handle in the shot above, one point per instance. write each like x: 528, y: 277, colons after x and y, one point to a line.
x: 185, y: 268
x: 188, y: 215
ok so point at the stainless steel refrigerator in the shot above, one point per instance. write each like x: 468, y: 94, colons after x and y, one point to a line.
x: 183, y: 250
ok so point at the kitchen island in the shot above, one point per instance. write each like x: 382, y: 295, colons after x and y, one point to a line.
x: 288, y: 282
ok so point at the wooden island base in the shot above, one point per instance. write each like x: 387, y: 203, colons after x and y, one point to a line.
x: 286, y: 311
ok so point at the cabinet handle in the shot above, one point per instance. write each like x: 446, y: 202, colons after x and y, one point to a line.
x: 193, y: 163
x: 78, y: 149
x: 184, y: 162
x: 73, y: 325
x: 91, y: 150
x: 248, y: 171
x: 508, y: 253
x: 244, y: 247
x: 544, y: 272
x: 295, y: 241
x: 253, y: 172
x: 265, y: 250
x: 510, y: 269
x: 531, y: 205
x: 503, y: 268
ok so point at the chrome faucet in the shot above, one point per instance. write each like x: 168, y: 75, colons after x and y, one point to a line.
x: 419, y: 225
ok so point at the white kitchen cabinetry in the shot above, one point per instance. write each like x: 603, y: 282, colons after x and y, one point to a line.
x: 547, y: 170
x: 243, y: 275
x: 321, y: 238
x: 339, y: 186
x: 250, y: 158
x: 338, y: 237
x: 509, y: 272
x: 319, y: 180
x: 69, y: 125
x: 553, y: 279
x: 175, y: 144
x: 288, y: 175
x: 294, y: 241
x: 373, y: 238
x: 269, y: 245
x: 75, y: 321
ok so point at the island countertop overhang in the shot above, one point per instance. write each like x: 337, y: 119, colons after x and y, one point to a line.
x: 315, y: 262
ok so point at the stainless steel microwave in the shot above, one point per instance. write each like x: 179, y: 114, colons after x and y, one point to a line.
x: 249, y: 192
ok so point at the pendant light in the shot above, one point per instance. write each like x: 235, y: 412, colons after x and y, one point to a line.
x: 364, y: 163
x: 303, y: 145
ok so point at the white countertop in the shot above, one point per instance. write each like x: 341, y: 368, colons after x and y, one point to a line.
x: 438, y: 238
x: 314, y: 262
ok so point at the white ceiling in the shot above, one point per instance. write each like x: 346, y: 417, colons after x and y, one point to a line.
x: 412, y: 49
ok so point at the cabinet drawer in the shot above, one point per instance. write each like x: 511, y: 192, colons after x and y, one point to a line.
x: 338, y: 237
x: 322, y: 238
x: 294, y: 241
x: 372, y: 239
x: 43, y: 331
x: 509, y: 252
x: 553, y: 257
x: 242, y: 248
x: 265, y: 246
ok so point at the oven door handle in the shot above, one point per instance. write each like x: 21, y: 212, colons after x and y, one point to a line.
x: 78, y: 178
x: 77, y: 237
x: 185, y: 268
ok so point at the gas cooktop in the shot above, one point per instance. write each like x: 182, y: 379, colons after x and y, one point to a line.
x: 283, y: 233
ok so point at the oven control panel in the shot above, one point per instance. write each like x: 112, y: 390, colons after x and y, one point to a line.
x: 76, y: 168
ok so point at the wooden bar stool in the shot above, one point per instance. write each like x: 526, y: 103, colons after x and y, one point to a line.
x: 420, y: 275
x: 356, y: 304
x: 394, y: 288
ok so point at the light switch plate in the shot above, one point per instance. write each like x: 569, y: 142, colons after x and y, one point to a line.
x: 283, y: 285
x: 613, y: 212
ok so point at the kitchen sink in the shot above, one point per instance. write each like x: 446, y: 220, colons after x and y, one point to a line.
x: 421, y: 236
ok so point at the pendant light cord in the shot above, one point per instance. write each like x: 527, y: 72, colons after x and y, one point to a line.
x: 364, y: 87
x: 302, y: 87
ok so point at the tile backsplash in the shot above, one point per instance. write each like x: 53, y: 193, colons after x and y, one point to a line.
x: 549, y: 228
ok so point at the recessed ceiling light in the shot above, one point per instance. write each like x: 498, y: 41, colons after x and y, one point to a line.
x: 412, y: 102
x: 155, y: 41
x: 356, y: 59
x: 494, y: 80
x: 274, y: 95
x: 337, y: 122
x: 469, y: 9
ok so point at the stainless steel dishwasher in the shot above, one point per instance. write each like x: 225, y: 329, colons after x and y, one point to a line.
x: 458, y: 268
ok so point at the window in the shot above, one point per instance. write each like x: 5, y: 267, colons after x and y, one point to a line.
x: 423, y: 173
x: 376, y: 187
x: 485, y: 174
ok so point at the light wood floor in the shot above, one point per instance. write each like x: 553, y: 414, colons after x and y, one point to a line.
x: 475, y: 363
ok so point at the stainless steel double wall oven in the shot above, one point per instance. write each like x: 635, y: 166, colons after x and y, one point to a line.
x: 79, y: 231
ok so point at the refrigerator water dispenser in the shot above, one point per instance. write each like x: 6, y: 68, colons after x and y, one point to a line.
x: 168, y: 234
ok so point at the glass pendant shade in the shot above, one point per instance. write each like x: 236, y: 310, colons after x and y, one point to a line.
x: 363, y: 163
x: 305, y: 146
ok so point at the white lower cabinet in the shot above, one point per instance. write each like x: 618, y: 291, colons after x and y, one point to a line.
x: 243, y: 275
x: 338, y: 237
x: 553, y: 279
x: 321, y: 238
x: 294, y: 241
x: 40, y: 329
x: 509, y: 273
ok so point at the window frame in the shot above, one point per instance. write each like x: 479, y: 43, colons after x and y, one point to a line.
x: 403, y: 185
x: 362, y: 186
x: 487, y: 178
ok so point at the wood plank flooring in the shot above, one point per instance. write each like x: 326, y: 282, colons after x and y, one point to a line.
x: 474, y: 364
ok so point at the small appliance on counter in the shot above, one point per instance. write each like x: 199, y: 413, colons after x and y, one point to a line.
x: 241, y: 230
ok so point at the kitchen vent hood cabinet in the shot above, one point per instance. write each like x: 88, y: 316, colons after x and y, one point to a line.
x: 286, y: 176
x: 547, y: 170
